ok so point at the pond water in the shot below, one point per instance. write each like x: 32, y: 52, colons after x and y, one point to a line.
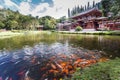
x: 52, y: 56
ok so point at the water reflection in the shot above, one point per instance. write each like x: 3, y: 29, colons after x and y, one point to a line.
x: 44, y: 61
x: 40, y: 56
x: 109, y: 44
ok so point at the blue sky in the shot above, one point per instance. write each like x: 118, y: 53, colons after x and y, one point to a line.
x: 54, y: 8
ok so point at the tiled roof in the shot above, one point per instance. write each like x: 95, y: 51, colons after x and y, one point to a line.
x: 86, y: 12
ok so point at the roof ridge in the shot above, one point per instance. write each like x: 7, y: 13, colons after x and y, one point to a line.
x: 84, y: 12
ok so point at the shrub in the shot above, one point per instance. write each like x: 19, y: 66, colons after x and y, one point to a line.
x: 52, y: 30
x: 78, y: 28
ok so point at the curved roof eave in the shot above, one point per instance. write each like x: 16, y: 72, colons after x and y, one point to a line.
x: 86, y: 12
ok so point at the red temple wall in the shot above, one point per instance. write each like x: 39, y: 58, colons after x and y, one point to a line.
x: 89, y: 25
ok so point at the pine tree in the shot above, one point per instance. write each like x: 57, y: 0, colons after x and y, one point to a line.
x: 81, y: 9
x: 88, y: 6
x: 73, y: 12
x: 93, y: 3
x: 85, y: 7
x: 69, y: 12
x: 78, y: 9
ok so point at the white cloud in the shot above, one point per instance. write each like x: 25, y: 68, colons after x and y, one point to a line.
x: 42, y: 0
x: 26, y: 0
x: 1, y: 7
x: 25, y: 8
x: 29, y: 0
x: 10, y: 3
x: 59, y: 9
x: 40, y: 7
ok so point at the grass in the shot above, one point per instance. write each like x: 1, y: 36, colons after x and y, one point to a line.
x: 7, y: 34
x: 109, y: 70
x: 92, y: 32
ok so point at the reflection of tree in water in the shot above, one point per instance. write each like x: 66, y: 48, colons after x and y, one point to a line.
x: 103, y: 43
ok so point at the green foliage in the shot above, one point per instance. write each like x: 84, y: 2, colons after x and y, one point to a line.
x: 48, y: 22
x: 115, y: 8
x: 111, y: 6
x: 78, y: 28
x: 106, y: 6
x: 12, y: 24
x: 101, y: 71
x: 15, y: 20
x: 2, y: 25
x: 63, y: 18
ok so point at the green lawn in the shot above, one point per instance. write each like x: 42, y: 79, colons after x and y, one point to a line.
x: 7, y: 34
x: 92, y: 32
x: 109, y: 70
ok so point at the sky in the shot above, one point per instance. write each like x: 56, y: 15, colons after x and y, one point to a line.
x: 54, y: 8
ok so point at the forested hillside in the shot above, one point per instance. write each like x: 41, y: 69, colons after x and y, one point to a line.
x: 10, y: 20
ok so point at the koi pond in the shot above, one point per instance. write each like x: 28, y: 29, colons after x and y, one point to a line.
x: 52, y: 56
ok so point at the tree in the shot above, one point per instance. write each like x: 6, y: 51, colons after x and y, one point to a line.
x: 73, y: 12
x: 106, y: 4
x: 115, y: 7
x: 68, y: 12
x: 37, y: 17
x: 35, y: 24
x: 99, y: 5
x: 53, y: 23
x: 93, y: 3
x: 63, y: 18
x: 15, y: 20
x: 85, y: 7
x: 2, y: 25
x: 88, y: 6
x: 78, y: 9
x: 48, y: 22
x: 81, y: 9
x: 12, y: 24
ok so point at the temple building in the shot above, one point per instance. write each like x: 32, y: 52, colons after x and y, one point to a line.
x: 66, y: 26
x: 90, y: 19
